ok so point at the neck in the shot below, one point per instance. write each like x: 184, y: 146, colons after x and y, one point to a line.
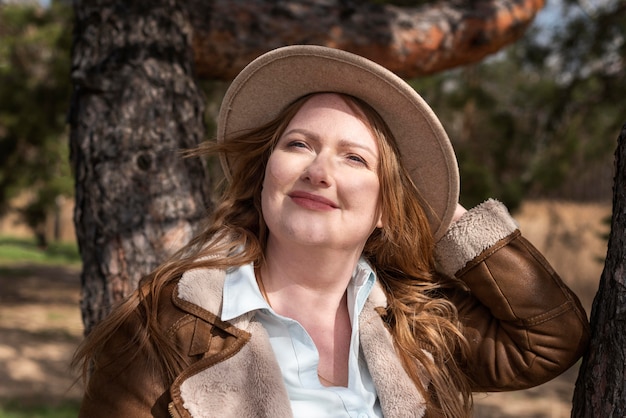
x: 301, y: 278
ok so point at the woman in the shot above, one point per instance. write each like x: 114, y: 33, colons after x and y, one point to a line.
x: 339, y: 276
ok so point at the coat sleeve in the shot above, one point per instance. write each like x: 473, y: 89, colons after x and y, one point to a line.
x: 123, y: 383
x: 523, y: 324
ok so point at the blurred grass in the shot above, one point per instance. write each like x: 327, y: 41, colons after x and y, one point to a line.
x: 25, y: 250
x: 18, y: 251
x: 66, y: 410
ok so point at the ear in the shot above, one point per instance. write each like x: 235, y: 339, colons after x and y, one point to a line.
x: 379, y: 223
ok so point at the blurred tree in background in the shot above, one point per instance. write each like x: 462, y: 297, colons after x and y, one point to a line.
x: 540, y: 119
x: 34, y: 98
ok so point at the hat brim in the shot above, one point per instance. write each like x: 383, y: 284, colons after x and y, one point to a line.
x: 276, y: 79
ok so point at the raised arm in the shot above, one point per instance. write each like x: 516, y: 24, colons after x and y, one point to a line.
x: 524, y: 325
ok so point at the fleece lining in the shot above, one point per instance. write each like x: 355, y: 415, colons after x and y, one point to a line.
x: 477, y: 230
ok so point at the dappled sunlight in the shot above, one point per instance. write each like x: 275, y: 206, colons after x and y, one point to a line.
x: 40, y: 327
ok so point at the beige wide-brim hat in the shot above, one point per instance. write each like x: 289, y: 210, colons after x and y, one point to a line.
x: 276, y: 79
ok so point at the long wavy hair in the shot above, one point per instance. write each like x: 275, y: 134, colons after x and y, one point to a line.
x: 424, y: 325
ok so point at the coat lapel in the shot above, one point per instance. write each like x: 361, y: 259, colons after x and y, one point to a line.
x: 247, y: 384
x: 396, y: 391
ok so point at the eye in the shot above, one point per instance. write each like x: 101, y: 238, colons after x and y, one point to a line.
x: 296, y: 144
x: 357, y: 159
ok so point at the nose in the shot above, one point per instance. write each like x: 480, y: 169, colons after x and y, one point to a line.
x: 318, y: 171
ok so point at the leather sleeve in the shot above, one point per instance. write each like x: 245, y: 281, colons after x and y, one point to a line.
x: 523, y: 324
x: 124, y: 383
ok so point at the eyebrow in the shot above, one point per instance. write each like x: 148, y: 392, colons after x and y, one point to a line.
x: 350, y: 144
x: 344, y: 143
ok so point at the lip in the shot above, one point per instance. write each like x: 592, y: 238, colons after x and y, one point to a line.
x: 312, y: 201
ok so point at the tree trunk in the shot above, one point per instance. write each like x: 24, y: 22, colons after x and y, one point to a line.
x: 601, y: 386
x: 135, y: 105
x: 411, y: 41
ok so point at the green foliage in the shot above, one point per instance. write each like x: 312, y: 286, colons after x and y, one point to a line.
x: 68, y: 410
x: 540, y: 113
x: 34, y: 99
x: 22, y: 250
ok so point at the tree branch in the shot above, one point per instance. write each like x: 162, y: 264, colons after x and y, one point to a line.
x: 411, y: 41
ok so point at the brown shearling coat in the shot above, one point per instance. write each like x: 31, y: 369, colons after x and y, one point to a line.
x: 523, y: 324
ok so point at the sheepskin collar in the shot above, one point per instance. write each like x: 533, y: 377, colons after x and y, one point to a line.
x: 248, y: 383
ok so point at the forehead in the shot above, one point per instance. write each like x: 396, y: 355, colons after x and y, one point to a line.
x: 337, y: 101
x: 332, y: 104
x: 330, y: 114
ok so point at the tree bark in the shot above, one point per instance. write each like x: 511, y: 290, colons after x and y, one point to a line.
x: 135, y: 105
x: 412, y: 42
x: 601, y: 386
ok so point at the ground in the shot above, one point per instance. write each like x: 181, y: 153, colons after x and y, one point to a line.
x: 40, y: 323
x: 40, y: 327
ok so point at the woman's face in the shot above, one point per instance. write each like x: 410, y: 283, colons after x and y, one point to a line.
x: 321, y: 185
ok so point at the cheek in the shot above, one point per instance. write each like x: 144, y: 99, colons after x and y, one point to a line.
x: 273, y: 181
x: 369, y: 188
x: 274, y: 171
x: 268, y: 185
x: 376, y: 203
x: 282, y: 171
x: 366, y: 195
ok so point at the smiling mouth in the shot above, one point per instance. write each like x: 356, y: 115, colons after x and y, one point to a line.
x: 312, y: 201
